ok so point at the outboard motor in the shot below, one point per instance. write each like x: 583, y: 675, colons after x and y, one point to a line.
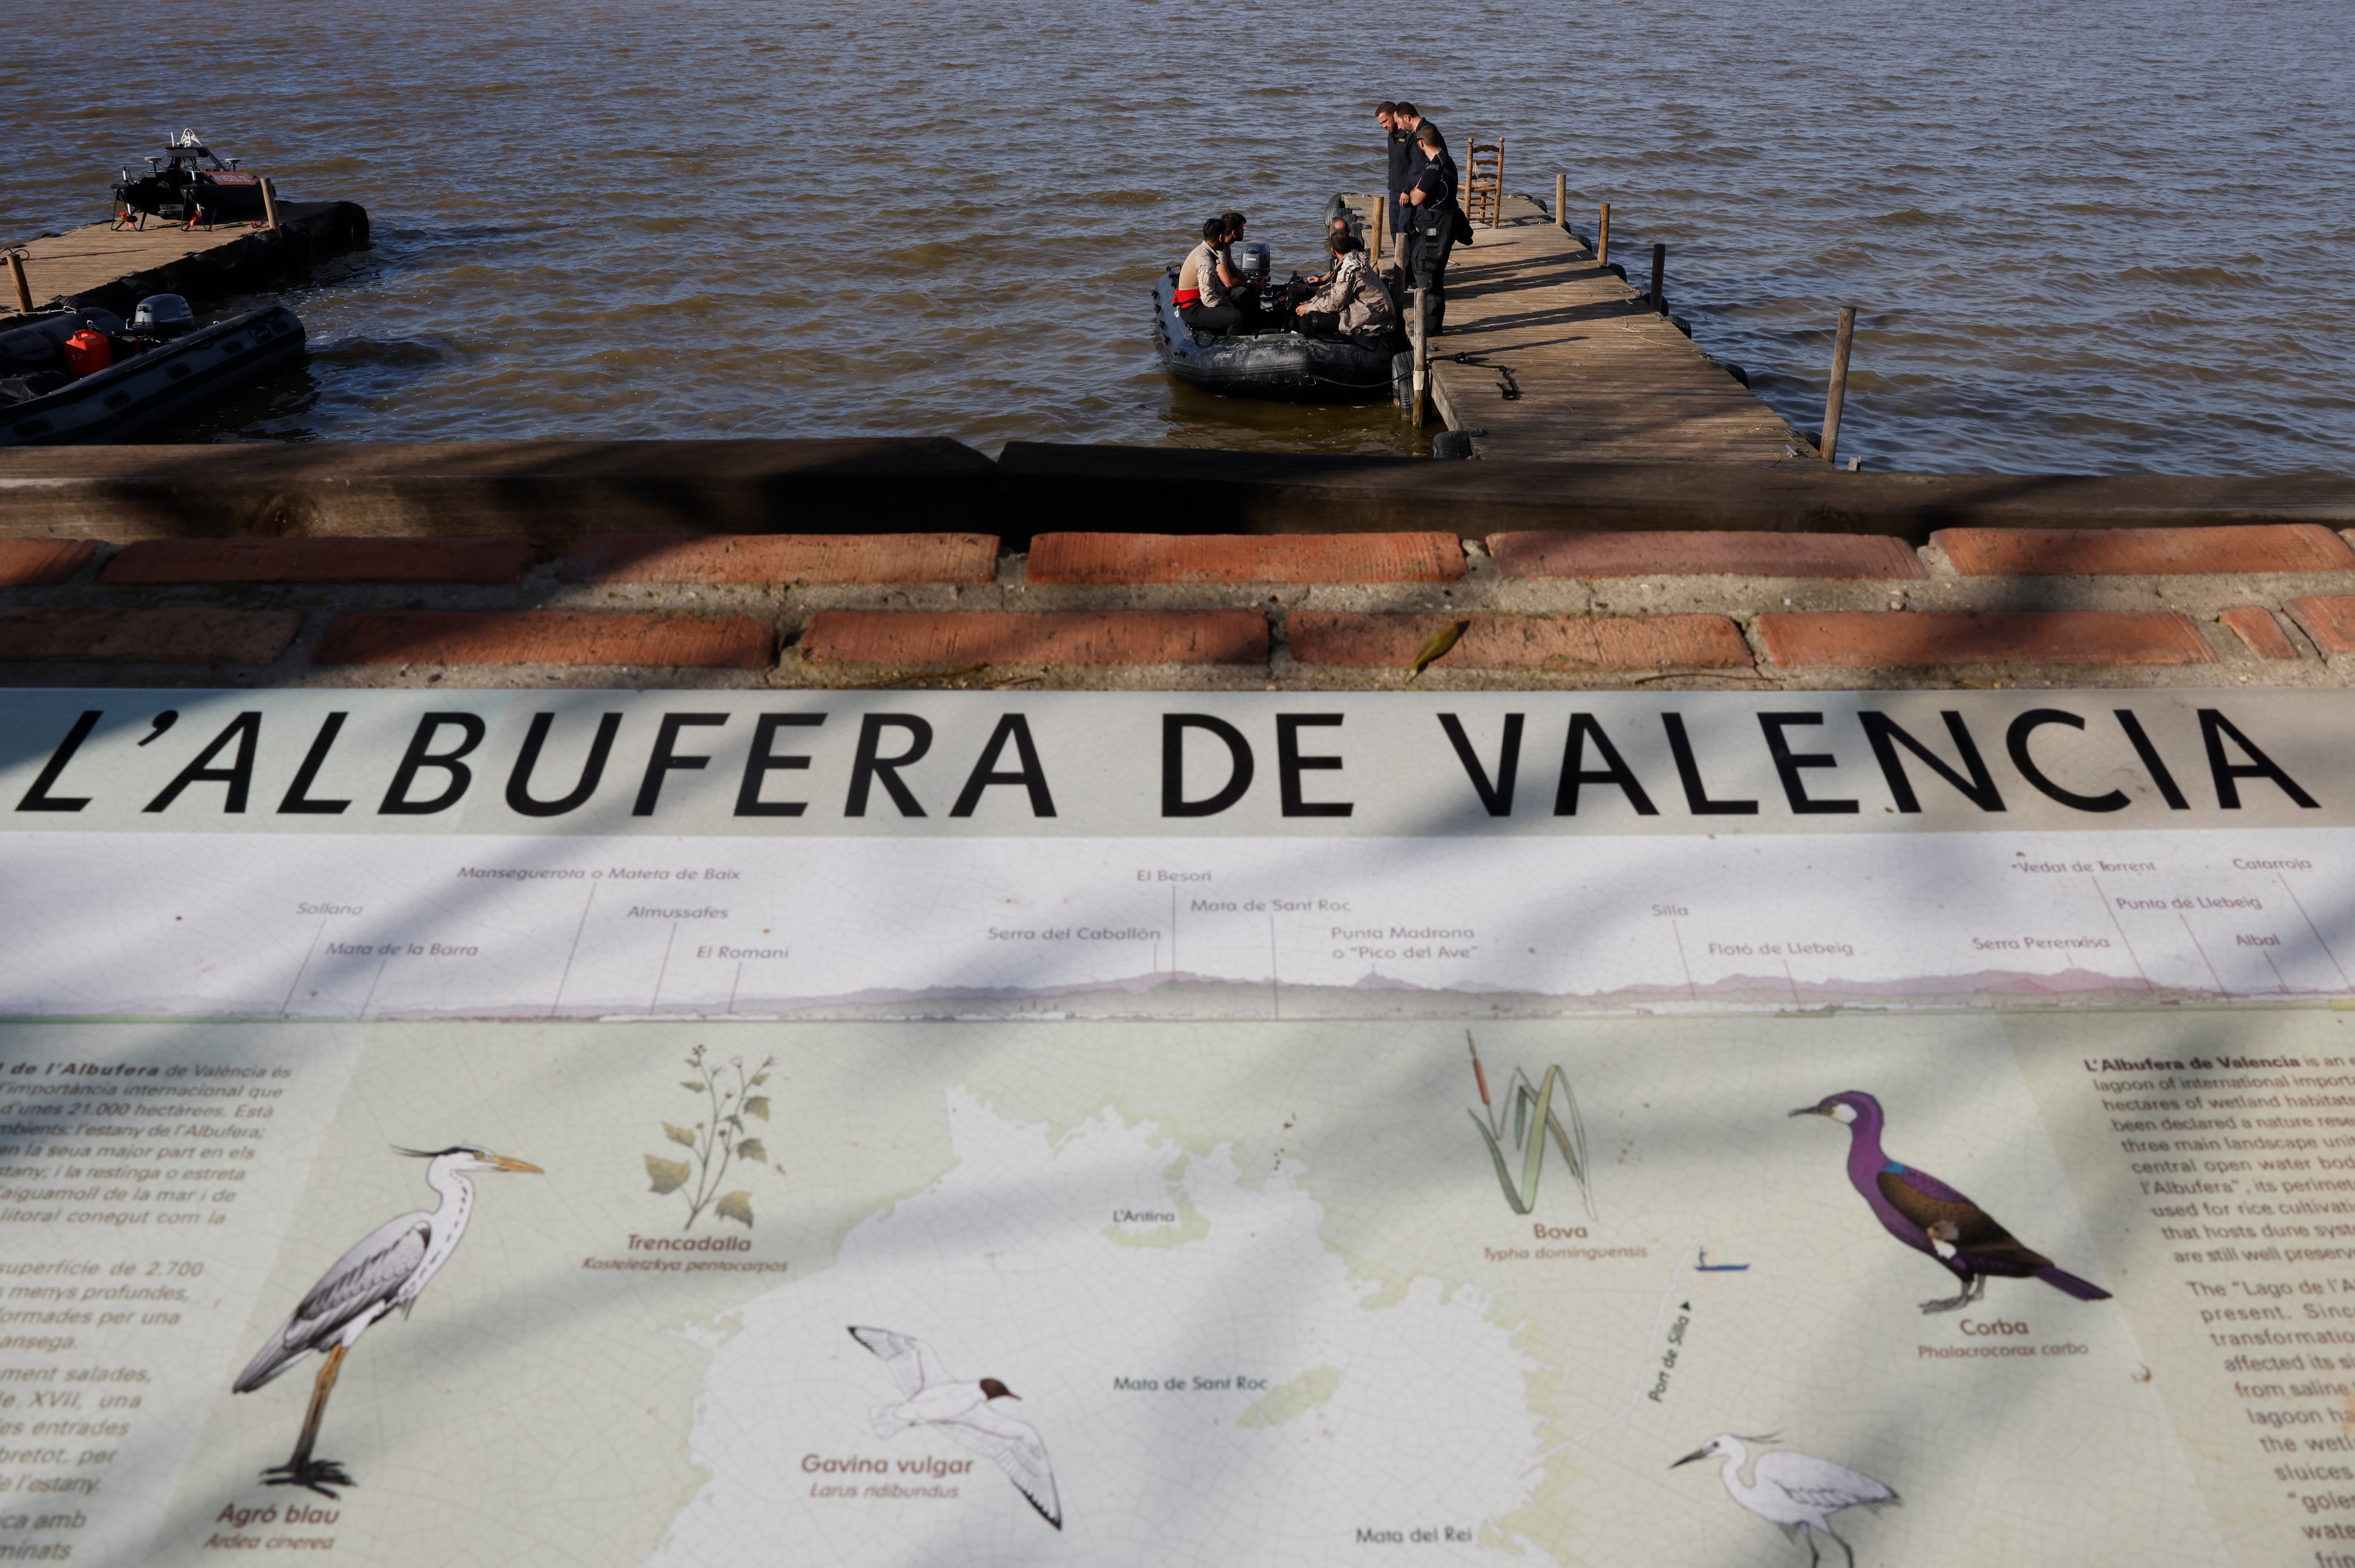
x: 165, y: 316
x: 1252, y: 258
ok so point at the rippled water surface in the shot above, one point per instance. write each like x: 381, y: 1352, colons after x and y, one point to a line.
x: 2094, y: 237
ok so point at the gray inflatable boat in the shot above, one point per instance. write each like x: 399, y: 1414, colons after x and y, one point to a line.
x: 151, y: 382
x: 1284, y: 367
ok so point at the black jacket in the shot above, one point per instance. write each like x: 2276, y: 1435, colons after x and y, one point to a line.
x: 1417, y: 161
x: 1405, y: 157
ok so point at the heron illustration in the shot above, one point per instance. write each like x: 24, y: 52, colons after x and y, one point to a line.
x: 391, y: 1267
x: 1799, y: 1493
x: 1930, y: 1216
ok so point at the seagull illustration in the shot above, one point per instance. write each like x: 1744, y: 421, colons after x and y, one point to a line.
x: 1795, y: 1491
x: 1930, y: 1216
x: 390, y: 1265
x: 962, y: 1410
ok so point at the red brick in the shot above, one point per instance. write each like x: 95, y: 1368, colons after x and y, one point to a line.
x: 148, y: 635
x: 1522, y: 641
x: 956, y: 640
x: 38, y: 563
x: 1863, y: 640
x: 1700, y: 555
x: 2329, y: 619
x: 1246, y: 558
x: 2144, y: 552
x: 2258, y: 628
x: 547, y: 637
x: 166, y: 561
x: 785, y: 559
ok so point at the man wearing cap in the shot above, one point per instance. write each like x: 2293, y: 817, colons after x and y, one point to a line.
x: 1432, y: 220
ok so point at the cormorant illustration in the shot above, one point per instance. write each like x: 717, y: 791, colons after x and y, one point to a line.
x: 1930, y: 1216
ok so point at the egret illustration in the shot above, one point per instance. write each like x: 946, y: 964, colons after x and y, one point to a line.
x: 390, y: 1266
x: 1930, y: 1216
x: 963, y: 1411
x: 1796, y: 1492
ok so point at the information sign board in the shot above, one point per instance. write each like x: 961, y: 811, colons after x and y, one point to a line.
x: 906, y: 1128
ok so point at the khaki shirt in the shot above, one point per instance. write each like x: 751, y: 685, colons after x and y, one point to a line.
x: 1200, y: 272
x: 1356, y: 295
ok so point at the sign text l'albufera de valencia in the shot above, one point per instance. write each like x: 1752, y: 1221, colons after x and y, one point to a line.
x: 1420, y: 763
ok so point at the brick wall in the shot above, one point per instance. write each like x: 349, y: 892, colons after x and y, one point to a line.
x: 2270, y: 604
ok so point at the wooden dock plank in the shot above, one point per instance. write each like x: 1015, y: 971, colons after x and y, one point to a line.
x: 80, y: 261
x: 97, y: 253
x: 1600, y: 377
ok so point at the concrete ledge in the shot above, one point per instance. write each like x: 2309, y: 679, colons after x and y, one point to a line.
x: 1042, y: 486
x: 558, y: 493
x: 550, y: 491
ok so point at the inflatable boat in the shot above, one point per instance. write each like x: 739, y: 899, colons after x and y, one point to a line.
x: 1283, y: 365
x: 49, y: 396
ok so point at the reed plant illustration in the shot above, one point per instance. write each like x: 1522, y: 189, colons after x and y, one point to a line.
x: 1533, y: 1118
x: 716, y: 1142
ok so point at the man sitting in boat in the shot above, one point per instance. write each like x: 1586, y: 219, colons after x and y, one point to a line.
x: 1203, y: 289
x: 1340, y: 223
x: 1351, y: 294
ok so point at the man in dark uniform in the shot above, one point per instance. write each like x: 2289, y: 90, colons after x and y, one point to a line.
x: 1401, y: 148
x: 1431, y: 223
x: 1411, y: 122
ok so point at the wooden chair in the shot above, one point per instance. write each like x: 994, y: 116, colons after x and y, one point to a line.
x: 1484, y: 182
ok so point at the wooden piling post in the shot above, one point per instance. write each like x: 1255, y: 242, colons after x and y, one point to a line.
x: 1838, y: 391
x: 1560, y: 212
x: 1421, y: 353
x: 268, y: 202
x: 1497, y: 213
x: 1660, y: 278
x: 1374, y: 251
x: 1602, y: 235
x: 24, y: 285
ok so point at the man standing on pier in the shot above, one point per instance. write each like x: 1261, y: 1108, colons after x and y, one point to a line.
x: 1401, y: 149
x: 1432, y: 220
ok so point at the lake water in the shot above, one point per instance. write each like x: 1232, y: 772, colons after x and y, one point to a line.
x: 2093, y: 238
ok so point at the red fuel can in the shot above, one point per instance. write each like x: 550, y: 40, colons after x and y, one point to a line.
x: 87, y: 352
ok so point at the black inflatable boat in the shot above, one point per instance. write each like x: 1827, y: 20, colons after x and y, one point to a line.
x: 1285, y: 367
x: 153, y: 378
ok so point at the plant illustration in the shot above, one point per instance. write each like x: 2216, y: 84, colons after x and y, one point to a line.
x: 1528, y: 1132
x: 713, y: 1145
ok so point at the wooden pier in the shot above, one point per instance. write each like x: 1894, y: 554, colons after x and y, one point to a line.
x: 1552, y: 356
x: 100, y: 265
